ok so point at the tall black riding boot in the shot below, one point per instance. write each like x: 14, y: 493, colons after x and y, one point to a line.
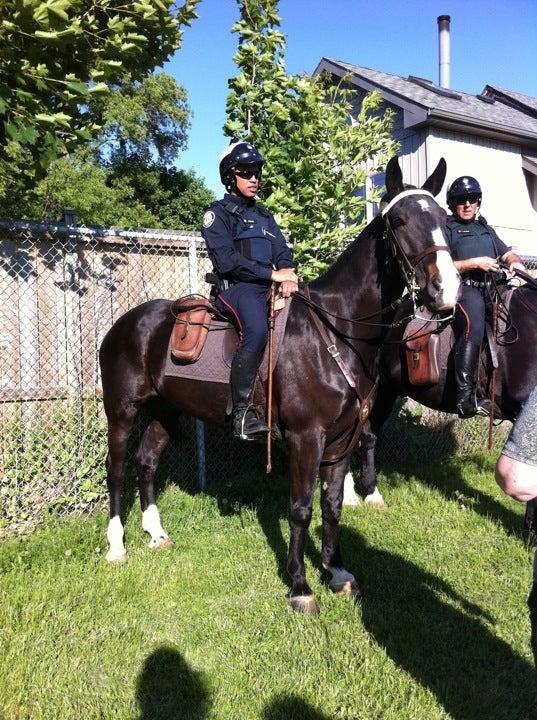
x: 246, y: 424
x: 466, y: 360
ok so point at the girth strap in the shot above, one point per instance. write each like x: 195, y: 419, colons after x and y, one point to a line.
x: 364, y: 405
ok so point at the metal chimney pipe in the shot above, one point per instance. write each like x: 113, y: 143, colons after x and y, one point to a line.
x: 444, y: 59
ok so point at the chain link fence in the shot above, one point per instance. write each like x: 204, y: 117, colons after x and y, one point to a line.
x: 62, y: 287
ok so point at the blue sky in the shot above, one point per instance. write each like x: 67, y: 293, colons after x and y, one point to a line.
x: 491, y: 42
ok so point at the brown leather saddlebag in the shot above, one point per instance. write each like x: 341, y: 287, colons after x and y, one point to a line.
x: 422, y: 359
x: 190, y: 330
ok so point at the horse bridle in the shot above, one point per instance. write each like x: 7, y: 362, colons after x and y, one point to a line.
x: 407, y: 264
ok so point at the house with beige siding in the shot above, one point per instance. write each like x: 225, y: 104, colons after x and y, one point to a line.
x: 492, y: 136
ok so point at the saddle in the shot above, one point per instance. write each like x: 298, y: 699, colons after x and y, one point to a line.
x: 427, y: 344
x: 193, y: 321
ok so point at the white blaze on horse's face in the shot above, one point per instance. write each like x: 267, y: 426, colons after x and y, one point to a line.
x: 445, y: 276
x: 450, y: 276
x: 424, y: 205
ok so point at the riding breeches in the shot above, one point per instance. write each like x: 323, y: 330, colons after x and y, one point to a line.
x: 470, y: 315
x: 246, y: 305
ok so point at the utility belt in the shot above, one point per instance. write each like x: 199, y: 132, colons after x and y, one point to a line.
x: 474, y: 283
x: 497, y: 278
x: 219, y: 283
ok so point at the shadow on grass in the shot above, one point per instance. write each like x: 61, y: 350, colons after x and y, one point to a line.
x: 439, y: 638
x: 442, y: 469
x: 449, y: 480
x: 291, y: 707
x: 237, y: 479
x: 168, y: 688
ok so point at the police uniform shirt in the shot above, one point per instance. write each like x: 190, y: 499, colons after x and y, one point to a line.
x: 473, y: 239
x: 243, y: 240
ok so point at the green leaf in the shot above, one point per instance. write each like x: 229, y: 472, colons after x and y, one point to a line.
x: 78, y: 87
x: 61, y: 118
x: 28, y: 135
x: 99, y: 88
x: 12, y: 130
x: 136, y: 36
x: 49, y: 119
x: 58, y: 11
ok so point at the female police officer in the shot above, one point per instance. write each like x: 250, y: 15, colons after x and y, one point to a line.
x: 476, y: 250
x: 248, y: 252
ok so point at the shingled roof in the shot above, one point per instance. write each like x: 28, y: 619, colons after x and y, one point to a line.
x: 496, y: 112
x: 522, y: 102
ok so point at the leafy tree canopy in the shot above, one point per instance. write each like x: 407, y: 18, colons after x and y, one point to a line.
x: 129, y: 195
x: 318, y: 150
x: 56, y: 55
x: 144, y: 119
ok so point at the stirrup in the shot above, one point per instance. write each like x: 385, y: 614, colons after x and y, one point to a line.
x: 247, y: 426
x: 465, y: 410
x: 484, y: 407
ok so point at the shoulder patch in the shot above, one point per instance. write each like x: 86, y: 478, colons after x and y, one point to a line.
x: 208, y: 219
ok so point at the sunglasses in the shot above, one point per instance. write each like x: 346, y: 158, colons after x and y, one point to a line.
x: 470, y: 198
x: 246, y: 174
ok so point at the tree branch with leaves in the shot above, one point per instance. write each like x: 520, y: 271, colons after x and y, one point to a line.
x: 317, y: 148
x: 55, y: 55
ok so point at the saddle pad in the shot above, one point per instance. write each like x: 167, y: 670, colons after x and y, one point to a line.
x: 214, y: 362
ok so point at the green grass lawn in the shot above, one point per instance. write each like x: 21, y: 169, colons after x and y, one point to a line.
x: 203, y: 630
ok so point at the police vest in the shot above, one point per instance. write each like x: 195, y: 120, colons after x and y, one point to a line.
x: 474, y: 239
x: 250, y: 231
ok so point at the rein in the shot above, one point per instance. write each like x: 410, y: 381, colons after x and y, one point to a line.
x: 365, y: 401
x: 305, y: 298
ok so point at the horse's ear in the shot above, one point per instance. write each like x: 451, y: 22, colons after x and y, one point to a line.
x: 394, y: 178
x: 434, y: 183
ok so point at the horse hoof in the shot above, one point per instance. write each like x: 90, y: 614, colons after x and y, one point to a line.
x: 304, y: 604
x: 351, y: 589
x: 116, y: 559
x: 375, y: 500
x: 161, y: 543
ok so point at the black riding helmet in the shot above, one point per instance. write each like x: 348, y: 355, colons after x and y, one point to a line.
x: 461, y: 188
x: 239, y: 153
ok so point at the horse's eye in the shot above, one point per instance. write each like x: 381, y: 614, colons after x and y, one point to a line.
x: 397, y: 222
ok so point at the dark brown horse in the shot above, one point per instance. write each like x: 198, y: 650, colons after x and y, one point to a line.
x: 515, y: 379
x: 315, y: 407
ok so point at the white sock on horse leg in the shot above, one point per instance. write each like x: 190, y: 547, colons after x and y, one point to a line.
x: 350, y: 498
x: 114, y: 535
x: 151, y: 524
x: 340, y: 576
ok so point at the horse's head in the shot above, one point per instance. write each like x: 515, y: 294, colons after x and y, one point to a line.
x: 415, y: 227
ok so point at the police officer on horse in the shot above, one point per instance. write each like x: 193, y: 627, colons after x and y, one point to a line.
x: 248, y: 252
x: 477, y: 251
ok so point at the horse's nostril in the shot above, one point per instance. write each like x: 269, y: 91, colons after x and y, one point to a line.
x: 437, y: 282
